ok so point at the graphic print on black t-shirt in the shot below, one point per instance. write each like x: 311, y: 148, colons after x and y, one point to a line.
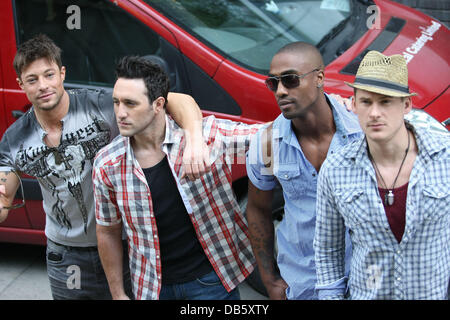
x: 66, y: 162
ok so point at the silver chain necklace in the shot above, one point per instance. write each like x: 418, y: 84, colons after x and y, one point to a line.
x: 389, y: 197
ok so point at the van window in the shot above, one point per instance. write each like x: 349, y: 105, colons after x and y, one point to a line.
x: 250, y: 32
x: 93, y: 35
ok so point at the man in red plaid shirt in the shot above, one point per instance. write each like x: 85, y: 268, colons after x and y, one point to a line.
x: 187, y: 239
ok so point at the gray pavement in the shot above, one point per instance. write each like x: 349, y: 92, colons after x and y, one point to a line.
x: 23, y: 274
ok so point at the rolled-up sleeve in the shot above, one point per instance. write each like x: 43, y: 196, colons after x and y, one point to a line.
x: 258, y: 171
x: 107, y: 212
x: 6, y: 162
x: 235, y: 137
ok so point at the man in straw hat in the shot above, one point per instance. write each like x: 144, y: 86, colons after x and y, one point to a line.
x: 390, y: 189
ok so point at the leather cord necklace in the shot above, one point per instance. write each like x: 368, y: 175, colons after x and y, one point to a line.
x: 389, y: 197
x: 53, y: 147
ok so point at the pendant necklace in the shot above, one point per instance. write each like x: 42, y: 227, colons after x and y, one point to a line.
x: 389, y: 197
x: 53, y: 147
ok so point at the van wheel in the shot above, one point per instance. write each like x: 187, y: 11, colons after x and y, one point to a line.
x: 254, y: 279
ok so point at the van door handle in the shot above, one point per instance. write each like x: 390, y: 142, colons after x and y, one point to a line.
x: 17, y: 113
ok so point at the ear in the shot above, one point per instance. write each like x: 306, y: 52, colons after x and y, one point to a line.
x: 354, y: 103
x: 320, y: 78
x: 20, y: 83
x: 408, y: 104
x: 63, y: 73
x: 158, y: 104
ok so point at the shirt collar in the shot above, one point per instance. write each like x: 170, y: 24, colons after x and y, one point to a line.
x: 171, y: 129
x: 169, y: 138
x: 426, y: 145
x: 346, y: 122
x: 42, y: 133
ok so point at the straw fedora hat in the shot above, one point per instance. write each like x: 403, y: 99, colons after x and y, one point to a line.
x: 386, y: 75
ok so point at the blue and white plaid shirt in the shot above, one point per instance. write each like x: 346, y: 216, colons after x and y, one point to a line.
x: 381, y: 268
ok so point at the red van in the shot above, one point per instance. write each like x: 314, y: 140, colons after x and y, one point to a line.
x: 219, y: 52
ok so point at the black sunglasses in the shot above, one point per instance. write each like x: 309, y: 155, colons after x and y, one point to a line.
x: 289, y: 81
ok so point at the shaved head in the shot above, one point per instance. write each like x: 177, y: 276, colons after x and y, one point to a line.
x: 305, y: 61
x: 307, y: 51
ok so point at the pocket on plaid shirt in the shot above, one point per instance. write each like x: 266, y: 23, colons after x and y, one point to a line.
x: 354, y: 205
x: 436, y: 202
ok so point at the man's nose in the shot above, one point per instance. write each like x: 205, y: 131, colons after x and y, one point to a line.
x: 374, y: 111
x: 281, y: 90
x: 42, y: 84
x: 120, y: 111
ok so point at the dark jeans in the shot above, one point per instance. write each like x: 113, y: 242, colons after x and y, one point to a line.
x: 76, y: 273
x: 207, y: 287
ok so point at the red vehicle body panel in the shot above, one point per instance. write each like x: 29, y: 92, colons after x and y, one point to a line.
x: 428, y: 69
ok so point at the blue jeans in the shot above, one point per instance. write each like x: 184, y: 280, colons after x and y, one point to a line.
x: 207, y: 287
x: 76, y: 273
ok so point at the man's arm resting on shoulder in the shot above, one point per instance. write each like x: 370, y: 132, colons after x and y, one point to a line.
x: 346, y: 102
x: 111, y: 254
x: 261, y: 229
x: 9, y: 183
x: 187, y: 114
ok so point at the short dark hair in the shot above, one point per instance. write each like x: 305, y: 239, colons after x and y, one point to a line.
x: 153, y: 75
x: 40, y: 46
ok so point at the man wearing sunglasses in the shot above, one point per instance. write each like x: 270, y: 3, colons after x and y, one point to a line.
x: 289, y: 153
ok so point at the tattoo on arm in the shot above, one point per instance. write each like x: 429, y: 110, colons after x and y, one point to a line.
x: 263, y: 245
x: 5, y: 175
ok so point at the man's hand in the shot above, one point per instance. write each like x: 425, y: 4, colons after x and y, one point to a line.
x: 346, y: 102
x: 187, y: 114
x: 277, y: 289
x: 121, y: 297
x: 196, y: 160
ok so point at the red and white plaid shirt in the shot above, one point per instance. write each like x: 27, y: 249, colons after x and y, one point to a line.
x: 123, y: 195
